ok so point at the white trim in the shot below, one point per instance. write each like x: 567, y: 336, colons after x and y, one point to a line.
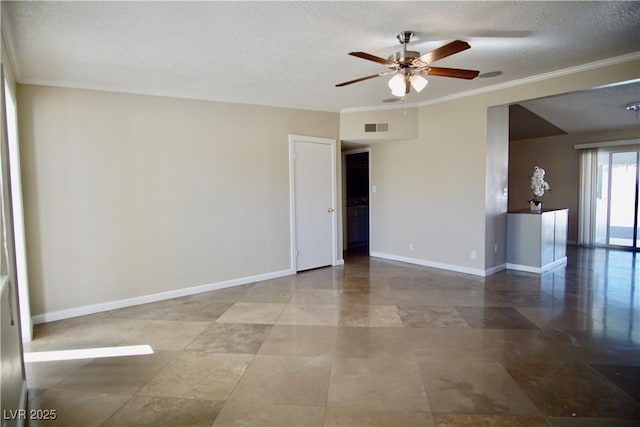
x: 521, y: 267
x: 334, y: 198
x: 292, y: 206
x: 112, y: 305
x: 556, y: 263
x: 163, y: 94
x: 292, y: 199
x: 22, y: 276
x: 538, y: 270
x: 607, y: 144
x: 506, y: 85
x: 87, y: 353
x: 615, y: 84
x: 340, y: 261
x: 493, y: 270
x: 399, y: 106
x: 433, y: 264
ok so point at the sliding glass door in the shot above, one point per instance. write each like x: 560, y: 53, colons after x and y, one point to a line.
x: 616, y: 209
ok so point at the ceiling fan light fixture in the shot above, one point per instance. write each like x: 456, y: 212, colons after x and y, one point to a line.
x: 397, y: 84
x: 418, y: 82
x: 398, y: 93
x: 406, y: 65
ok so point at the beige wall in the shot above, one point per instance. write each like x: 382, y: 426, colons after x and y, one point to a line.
x: 403, y: 124
x: 432, y: 190
x: 427, y: 187
x: 130, y: 195
x: 558, y: 157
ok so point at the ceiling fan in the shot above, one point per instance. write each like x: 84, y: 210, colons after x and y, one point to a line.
x: 408, y: 65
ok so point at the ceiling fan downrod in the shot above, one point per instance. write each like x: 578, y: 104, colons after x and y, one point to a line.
x: 404, y: 58
x: 404, y: 37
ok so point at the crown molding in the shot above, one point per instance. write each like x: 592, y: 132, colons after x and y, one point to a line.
x: 401, y: 106
x: 163, y: 94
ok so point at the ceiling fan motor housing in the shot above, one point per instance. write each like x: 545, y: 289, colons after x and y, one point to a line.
x: 405, y: 58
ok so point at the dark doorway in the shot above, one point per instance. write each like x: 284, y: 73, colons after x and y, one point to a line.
x: 357, y: 182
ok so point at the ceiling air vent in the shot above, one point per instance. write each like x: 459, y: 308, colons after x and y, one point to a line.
x: 376, y: 127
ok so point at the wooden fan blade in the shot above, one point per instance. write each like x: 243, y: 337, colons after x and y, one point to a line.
x: 444, y: 51
x: 407, y: 83
x: 361, y: 79
x: 368, y: 56
x: 451, y: 72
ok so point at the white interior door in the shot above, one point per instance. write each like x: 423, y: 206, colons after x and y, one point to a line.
x: 313, y: 167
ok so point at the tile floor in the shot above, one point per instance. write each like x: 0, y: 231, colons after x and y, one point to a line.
x: 371, y: 343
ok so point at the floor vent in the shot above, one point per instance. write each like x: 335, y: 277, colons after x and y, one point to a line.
x: 376, y: 127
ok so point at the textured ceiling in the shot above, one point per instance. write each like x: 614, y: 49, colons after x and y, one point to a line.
x: 292, y: 54
x: 595, y: 110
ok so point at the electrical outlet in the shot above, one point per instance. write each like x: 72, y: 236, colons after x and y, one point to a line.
x: 374, y: 189
x: 410, y: 246
x: 495, y: 248
x: 473, y: 255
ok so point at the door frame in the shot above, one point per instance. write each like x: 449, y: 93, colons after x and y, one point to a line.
x: 292, y: 195
x: 17, y: 203
x: 344, y: 192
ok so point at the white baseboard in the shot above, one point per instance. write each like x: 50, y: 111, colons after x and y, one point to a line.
x: 558, y: 263
x: 112, y: 305
x: 526, y: 268
x: 538, y: 270
x: 497, y: 269
x: 339, y: 262
x: 439, y: 265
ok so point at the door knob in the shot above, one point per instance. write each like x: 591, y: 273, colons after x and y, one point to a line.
x: 330, y: 210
